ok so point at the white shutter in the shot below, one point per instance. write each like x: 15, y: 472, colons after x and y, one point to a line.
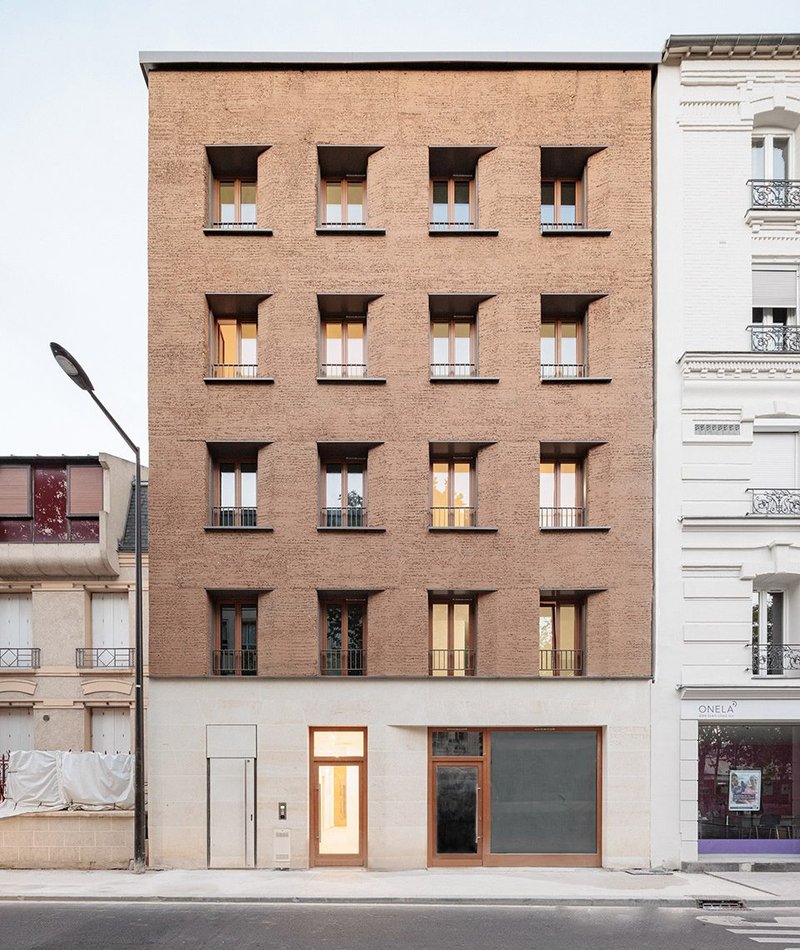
x: 110, y: 620
x: 111, y: 730
x: 15, y: 620
x: 775, y: 288
x: 16, y: 730
x: 774, y: 460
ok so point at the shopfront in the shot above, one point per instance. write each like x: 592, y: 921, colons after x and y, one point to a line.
x: 514, y: 796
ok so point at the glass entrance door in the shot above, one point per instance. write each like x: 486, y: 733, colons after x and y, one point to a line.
x: 457, y: 813
x: 338, y: 806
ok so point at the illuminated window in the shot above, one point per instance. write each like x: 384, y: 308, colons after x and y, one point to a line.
x: 452, y: 493
x: 452, y: 636
x: 560, y: 643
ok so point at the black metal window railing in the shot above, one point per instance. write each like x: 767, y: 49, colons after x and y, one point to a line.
x: 343, y: 370
x: 453, y: 517
x: 451, y: 663
x: 563, y: 370
x: 558, y: 662
x: 342, y: 225
x: 234, y: 370
x: 104, y: 658
x: 234, y: 225
x: 343, y: 518
x: 457, y: 370
x: 228, y: 517
x: 775, y: 502
x: 562, y: 517
x: 342, y: 662
x: 234, y: 662
x: 774, y: 338
x: 563, y: 226
x: 772, y: 660
x: 453, y: 225
x: 24, y: 658
x: 775, y: 194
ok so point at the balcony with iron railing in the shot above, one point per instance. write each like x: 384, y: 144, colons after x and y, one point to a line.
x: 342, y: 662
x: 547, y: 226
x: 774, y: 338
x: 453, y: 226
x: 775, y: 502
x: 562, y: 517
x: 770, y: 660
x: 104, y: 658
x: 234, y: 226
x: 777, y: 194
x: 561, y: 663
x: 453, y: 517
x: 453, y: 370
x: 234, y: 370
x: 451, y: 663
x: 234, y: 662
x: 231, y: 517
x: 343, y: 370
x: 563, y: 370
x: 20, y: 658
x: 343, y: 518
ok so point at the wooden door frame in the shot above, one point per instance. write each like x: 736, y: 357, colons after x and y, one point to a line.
x: 346, y: 860
x: 456, y: 861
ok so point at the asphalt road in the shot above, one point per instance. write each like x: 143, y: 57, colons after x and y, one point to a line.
x: 202, y: 926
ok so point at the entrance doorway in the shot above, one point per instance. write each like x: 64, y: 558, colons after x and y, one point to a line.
x: 458, y: 809
x: 338, y: 797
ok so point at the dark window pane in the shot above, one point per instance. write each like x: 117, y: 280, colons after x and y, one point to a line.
x: 227, y: 628
x: 458, y: 742
x: 249, y: 627
x: 548, y: 202
x: 456, y: 809
x: 544, y: 792
x: 333, y: 622
x: 355, y: 626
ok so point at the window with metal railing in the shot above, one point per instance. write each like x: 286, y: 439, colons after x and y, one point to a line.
x: 23, y: 658
x: 560, y: 635
x: 344, y: 632
x: 452, y: 636
x: 453, y: 493
x: 235, y: 647
x: 104, y: 658
x: 561, y: 493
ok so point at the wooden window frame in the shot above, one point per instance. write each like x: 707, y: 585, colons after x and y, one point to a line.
x: 237, y: 603
x: 216, y: 361
x: 347, y: 860
x: 451, y: 461
x: 345, y: 322
x: 451, y: 322
x: 554, y: 604
x: 579, y: 212
x: 237, y: 202
x: 579, y: 501
x: 580, y: 338
x: 29, y: 500
x: 216, y: 492
x: 472, y: 639
x: 344, y: 183
x: 451, y: 189
x: 343, y: 603
x: 344, y: 461
x: 485, y: 857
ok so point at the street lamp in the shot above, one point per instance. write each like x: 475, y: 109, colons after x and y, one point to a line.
x: 77, y: 374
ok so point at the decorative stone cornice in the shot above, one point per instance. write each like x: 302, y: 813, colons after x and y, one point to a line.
x: 753, y: 366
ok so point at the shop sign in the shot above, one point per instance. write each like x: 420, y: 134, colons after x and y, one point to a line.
x: 720, y: 709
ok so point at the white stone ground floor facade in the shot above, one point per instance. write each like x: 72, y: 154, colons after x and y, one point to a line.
x: 394, y: 774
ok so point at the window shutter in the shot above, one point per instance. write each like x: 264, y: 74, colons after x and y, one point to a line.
x: 16, y: 729
x: 774, y: 288
x: 15, y: 620
x: 85, y: 489
x: 774, y: 460
x: 15, y: 482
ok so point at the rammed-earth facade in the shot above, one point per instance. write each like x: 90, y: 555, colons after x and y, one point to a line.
x: 400, y: 384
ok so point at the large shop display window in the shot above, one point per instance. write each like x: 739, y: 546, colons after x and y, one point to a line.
x: 748, y: 788
x: 515, y: 797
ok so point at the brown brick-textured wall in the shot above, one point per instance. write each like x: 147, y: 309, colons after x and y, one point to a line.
x: 405, y: 111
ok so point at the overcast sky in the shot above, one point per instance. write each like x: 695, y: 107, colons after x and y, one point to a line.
x: 73, y: 130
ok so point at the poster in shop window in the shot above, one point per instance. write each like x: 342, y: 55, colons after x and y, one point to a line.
x: 744, y: 790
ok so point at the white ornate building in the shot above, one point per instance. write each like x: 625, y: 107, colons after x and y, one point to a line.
x: 726, y: 700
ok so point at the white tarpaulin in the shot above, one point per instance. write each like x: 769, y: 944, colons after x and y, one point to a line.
x: 55, y: 781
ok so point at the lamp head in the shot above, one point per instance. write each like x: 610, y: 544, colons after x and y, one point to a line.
x: 71, y: 367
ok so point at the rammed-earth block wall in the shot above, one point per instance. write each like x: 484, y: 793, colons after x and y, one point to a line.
x: 405, y: 111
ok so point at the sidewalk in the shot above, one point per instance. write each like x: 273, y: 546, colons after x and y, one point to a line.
x: 472, y: 886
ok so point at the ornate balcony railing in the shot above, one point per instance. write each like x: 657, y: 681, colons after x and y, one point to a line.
x: 774, y: 338
x: 562, y: 517
x: 234, y: 225
x: 775, y: 502
x: 104, y: 658
x: 343, y: 518
x: 451, y: 663
x: 457, y: 370
x: 342, y: 662
x: 234, y: 662
x: 228, y: 517
x: 343, y: 370
x: 442, y: 517
x: 775, y: 660
x: 563, y: 370
x: 778, y: 193
x: 561, y: 662
x: 23, y: 658
x: 234, y: 370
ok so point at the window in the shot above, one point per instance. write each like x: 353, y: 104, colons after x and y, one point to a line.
x: 770, y: 656
x: 562, y: 348
x: 85, y: 490
x: 235, y: 647
x: 16, y: 730
x: 235, y: 496
x: 235, y: 205
x: 15, y: 491
x: 774, y: 474
x: 345, y: 488
x: 110, y: 634
x: 560, y: 203
x: 560, y: 640
x: 453, y: 346
x: 111, y: 731
x: 561, y: 493
x: 771, y: 156
x: 775, y: 298
x: 564, y: 187
x: 453, y: 493
x: 452, y: 636
x: 453, y: 203
x: 343, y: 637
x: 344, y: 202
x: 16, y: 651
x: 233, y: 173
x: 344, y: 350
x: 236, y: 348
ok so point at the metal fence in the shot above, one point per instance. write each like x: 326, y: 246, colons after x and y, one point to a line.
x: 104, y: 658
x: 557, y: 662
x: 451, y: 663
x: 234, y: 662
x: 342, y: 662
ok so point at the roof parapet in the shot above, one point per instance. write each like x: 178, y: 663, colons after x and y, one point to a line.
x: 732, y: 46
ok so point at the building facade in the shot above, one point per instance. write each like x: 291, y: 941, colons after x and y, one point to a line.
x: 400, y: 383
x: 726, y: 715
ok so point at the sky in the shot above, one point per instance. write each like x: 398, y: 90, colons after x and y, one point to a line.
x: 73, y: 159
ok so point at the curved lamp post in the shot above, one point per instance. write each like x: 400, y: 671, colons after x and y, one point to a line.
x: 78, y: 375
